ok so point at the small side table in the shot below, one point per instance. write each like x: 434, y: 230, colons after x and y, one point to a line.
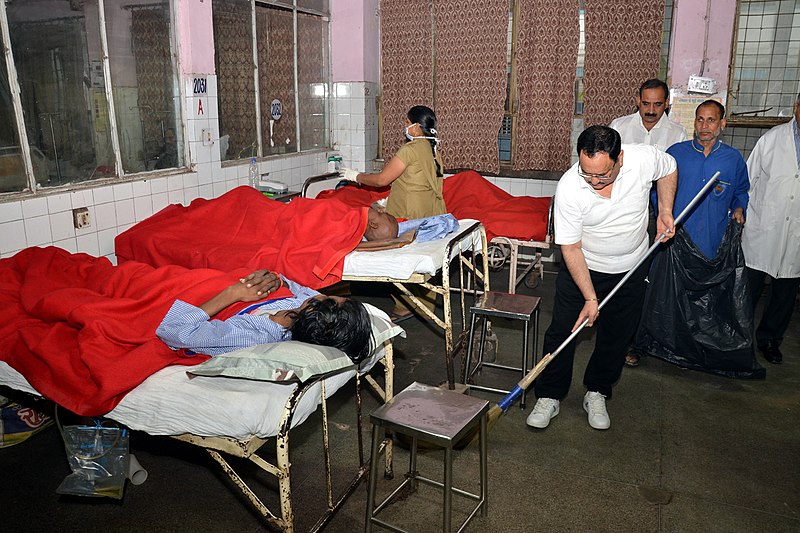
x: 437, y: 416
x: 503, y: 305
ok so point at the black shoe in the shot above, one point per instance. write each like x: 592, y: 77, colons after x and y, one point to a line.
x: 771, y: 352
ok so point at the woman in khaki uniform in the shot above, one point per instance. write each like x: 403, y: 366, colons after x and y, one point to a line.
x: 415, y: 176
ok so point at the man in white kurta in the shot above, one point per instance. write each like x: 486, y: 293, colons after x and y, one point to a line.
x: 650, y: 123
x: 771, y: 239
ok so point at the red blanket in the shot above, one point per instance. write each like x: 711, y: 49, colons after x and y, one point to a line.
x: 304, y: 239
x: 82, y: 331
x: 469, y: 195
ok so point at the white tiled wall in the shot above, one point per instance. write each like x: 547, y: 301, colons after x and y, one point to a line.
x: 47, y: 219
x: 355, y: 123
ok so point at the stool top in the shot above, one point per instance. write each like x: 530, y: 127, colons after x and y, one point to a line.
x: 432, y: 414
x: 505, y: 305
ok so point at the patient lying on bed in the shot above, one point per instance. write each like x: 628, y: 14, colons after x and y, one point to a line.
x: 381, y: 226
x: 306, y: 316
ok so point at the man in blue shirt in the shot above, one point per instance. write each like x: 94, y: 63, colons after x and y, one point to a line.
x: 698, y: 159
x: 307, y: 316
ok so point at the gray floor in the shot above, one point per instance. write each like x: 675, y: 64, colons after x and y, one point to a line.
x: 687, y: 451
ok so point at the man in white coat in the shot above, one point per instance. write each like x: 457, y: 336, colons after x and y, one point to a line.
x: 771, y: 239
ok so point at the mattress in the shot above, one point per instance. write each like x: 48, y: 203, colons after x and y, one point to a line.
x: 402, y: 263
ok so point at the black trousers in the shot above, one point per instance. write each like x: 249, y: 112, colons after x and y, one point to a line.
x: 615, y: 328
x: 779, y: 306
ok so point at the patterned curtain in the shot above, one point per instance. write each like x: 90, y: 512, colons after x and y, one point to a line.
x: 470, y: 80
x: 151, y: 50
x: 233, y: 54
x: 547, y: 52
x: 276, y: 78
x: 623, y: 47
x: 406, y: 65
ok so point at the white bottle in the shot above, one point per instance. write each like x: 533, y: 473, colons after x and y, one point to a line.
x: 253, y: 177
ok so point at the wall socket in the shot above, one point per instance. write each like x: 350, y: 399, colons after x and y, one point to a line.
x: 80, y: 218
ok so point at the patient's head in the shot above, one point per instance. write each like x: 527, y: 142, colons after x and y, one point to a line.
x: 381, y: 226
x: 334, y: 321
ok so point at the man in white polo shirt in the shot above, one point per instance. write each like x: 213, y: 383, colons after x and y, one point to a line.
x: 650, y: 123
x: 601, y: 226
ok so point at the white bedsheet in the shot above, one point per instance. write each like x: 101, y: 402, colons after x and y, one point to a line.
x: 402, y: 263
x: 171, y: 403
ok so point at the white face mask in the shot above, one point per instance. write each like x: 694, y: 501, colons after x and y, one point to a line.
x: 411, y: 137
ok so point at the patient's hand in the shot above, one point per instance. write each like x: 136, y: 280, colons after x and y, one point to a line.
x: 262, y: 282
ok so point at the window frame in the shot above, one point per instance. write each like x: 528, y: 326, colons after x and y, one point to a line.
x: 739, y: 120
x: 33, y: 188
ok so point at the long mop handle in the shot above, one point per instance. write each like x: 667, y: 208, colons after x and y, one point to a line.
x: 526, y: 381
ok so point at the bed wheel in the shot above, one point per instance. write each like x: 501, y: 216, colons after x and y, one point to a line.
x: 533, y: 279
x: 497, y: 255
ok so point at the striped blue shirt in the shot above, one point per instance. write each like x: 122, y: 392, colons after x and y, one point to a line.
x: 188, y: 326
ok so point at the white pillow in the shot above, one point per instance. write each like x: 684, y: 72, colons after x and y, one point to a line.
x: 295, y: 360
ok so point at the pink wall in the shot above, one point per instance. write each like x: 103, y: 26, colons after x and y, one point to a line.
x: 354, y: 40
x: 196, y: 36
x: 689, y: 31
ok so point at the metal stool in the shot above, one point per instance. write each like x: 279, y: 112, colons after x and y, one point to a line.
x: 503, y: 305
x: 438, y: 416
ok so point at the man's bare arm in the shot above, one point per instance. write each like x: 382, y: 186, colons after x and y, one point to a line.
x: 666, y: 188
x: 576, y: 264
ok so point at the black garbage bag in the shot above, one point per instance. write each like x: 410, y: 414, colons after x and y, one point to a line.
x: 697, y: 312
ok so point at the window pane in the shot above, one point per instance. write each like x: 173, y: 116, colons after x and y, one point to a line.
x: 12, y: 171
x: 55, y: 45
x: 312, y: 54
x: 236, y: 92
x: 765, y: 77
x: 145, y: 91
x: 276, y: 79
x: 316, y: 5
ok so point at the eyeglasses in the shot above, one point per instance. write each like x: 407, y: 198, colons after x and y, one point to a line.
x: 601, y: 178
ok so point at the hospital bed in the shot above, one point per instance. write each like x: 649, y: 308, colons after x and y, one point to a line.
x: 501, y: 249
x: 419, y: 264
x: 521, y: 269
x: 231, y: 417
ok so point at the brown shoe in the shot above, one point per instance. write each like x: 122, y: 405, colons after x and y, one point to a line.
x: 632, y: 359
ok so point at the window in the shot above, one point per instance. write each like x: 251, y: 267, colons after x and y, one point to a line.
x: 283, y: 108
x: 766, y: 66
x: 60, y: 63
x: 140, y: 52
x: 765, y: 72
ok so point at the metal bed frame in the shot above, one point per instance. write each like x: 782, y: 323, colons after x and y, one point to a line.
x: 283, y: 519
x: 503, y: 248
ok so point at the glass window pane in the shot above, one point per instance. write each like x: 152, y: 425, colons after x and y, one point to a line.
x: 12, y: 170
x: 144, y: 84
x: 765, y: 57
x: 316, y: 5
x: 312, y: 52
x: 236, y: 93
x: 274, y: 34
x: 56, y: 45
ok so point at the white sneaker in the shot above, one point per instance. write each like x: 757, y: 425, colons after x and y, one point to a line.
x: 544, y: 410
x: 595, y: 404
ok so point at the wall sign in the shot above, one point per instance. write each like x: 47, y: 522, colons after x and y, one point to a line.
x: 200, y: 86
x: 276, y: 109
